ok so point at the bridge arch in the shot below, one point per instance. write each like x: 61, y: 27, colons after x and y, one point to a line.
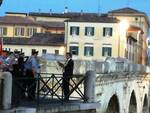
x: 145, y: 105
x: 113, y: 105
x: 133, y: 103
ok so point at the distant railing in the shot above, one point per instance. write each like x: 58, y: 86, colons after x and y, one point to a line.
x: 48, y: 87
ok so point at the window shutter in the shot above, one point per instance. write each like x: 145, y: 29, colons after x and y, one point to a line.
x: 70, y: 30
x: 16, y: 30
x: 103, y: 31
x: 22, y: 31
x: 85, y: 30
x: 77, y: 30
x: 92, y: 31
x: 110, y: 31
x: 4, y: 31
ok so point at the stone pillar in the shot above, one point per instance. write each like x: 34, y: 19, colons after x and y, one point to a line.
x: 89, y: 86
x: 7, y: 90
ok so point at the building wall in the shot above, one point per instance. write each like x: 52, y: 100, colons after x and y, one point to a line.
x: 49, y: 19
x: 11, y: 30
x: 28, y: 48
x: 142, y: 22
x: 97, y: 40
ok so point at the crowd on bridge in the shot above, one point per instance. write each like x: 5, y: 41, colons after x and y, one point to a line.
x: 23, y: 67
x: 25, y: 71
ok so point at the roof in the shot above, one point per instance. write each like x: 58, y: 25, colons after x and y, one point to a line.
x: 91, y: 18
x: 60, y: 15
x: 52, y: 24
x: 126, y: 10
x: 47, y: 39
x: 129, y: 12
x: 44, y: 39
x: 17, y: 20
x: 16, y: 13
x: 134, y: 28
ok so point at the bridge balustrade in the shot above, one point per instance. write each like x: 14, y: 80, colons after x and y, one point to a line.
x: 49, y: 88
x: 108, y: 67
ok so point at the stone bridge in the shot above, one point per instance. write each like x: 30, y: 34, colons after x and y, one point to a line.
x: 128, y: 94
x: 121, y: 87
x: 116, y: 85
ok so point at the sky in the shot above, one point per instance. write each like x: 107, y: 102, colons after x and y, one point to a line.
x: 102, y: 6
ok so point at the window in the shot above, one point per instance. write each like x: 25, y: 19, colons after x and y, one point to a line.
x: 89, y: 31
x: 56, y: 52
x: 19, y: 31
x: 148, y: 42
x: 74, y: 30
x: 44, y: 51
x: 31, y: 31
x: 106, y: 51
x: 107, y: 31
x: 88, y: 50
x: 9, y: 49
x: 74, y: 49
x: 3, y: 31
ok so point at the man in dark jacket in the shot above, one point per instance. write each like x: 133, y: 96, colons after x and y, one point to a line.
x: 67, y: 73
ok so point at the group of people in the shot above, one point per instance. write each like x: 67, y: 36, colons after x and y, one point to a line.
x: 24, y: 69
x: 20, y: 66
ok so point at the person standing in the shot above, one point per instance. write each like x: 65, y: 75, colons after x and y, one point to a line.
x: 67, y: 73
x: 18, y: 92
x: 31, y: 70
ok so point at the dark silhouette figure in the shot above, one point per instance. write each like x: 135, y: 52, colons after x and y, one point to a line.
x: 67, y: 73
x: 18, y: 81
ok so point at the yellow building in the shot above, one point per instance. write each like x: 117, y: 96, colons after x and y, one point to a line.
x: 18, y: 26
x: 137, y: 33
x: 126, y: 33
x: 91, y: 37
x: 50, y: 22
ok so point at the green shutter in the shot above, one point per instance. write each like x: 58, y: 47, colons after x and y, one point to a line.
x: 85, y: 30
x: 70, y: 30
x: 103, y: 31
x: 5, y: 31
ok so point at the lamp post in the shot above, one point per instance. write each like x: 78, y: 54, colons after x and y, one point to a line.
x: 1, y: 1
x: 123, y: 26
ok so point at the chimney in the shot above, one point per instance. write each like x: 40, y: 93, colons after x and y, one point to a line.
x: 81, y: 12
x: 66, y: 10
x: 50, y: 11
x: 39, y: 10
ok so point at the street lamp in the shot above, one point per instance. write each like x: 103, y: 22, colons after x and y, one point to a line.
x: 123, y: 26
x: 1, y: 1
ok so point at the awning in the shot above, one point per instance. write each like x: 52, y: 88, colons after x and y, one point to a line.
x: 135, y: 29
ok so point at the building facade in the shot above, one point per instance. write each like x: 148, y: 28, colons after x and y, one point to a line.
x: 92, y: 38
x: 89, y: 36
x: 17, y: 26
x: 137, y: 33
x: 126, y: 38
